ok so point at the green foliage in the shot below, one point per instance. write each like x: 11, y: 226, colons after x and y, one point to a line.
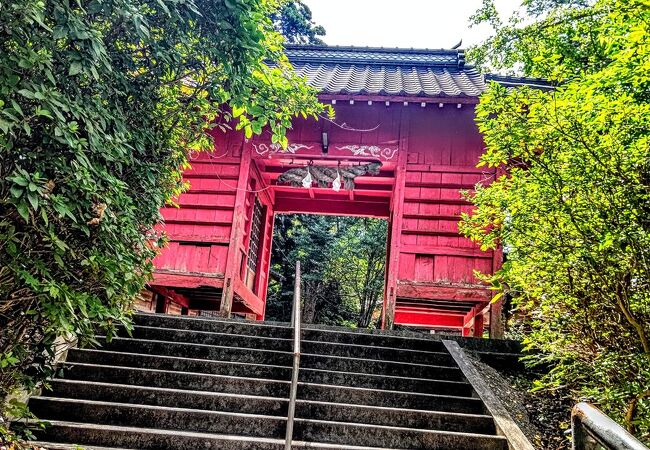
x: 358, y: 262
x: 295, y: 23
x: 573, y: 210
x: 342, y: 260
x: 100, y: 102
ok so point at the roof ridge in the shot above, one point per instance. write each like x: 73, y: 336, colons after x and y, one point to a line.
x: 376, y: 55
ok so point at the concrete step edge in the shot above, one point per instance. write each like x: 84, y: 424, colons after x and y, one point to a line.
x: 383, y: 334
x: 389, y: 409
x: 158, y: 408
x: 194, y: 344
x: 389, y: 377
x: 202, y: 332
x: 165, y: 389
x: 119, y: 428
x: 182, y: 358
x: 378, y: 347
x: 401, y: 363
x: 201, y: 374
x: 326, y: 446
x: 372, y: 427
x: 268, y: 324
x: 384, y: 391
x: 58, y: 446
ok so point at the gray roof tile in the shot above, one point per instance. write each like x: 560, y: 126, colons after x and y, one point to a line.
x: 392, y: 72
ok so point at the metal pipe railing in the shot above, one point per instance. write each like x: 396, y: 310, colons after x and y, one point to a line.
x: 593, y: 430
x: 295, y: 318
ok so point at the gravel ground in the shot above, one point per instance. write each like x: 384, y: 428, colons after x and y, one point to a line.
x: 542, y: 416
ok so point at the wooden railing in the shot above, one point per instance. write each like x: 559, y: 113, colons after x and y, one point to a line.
x: 593, y: 430
x: 295, y: 318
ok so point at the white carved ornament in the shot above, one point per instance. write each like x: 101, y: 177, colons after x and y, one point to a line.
x: 385, y: 153
x: 272, y: 149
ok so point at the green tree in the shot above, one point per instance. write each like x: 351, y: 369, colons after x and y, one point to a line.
x: 100, y: 102
x: 573, y: 209
x: 358, y: 264
x: 342, y: 262
x: 295, y: 22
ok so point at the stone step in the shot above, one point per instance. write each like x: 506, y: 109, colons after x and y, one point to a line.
x: 250, y: 328
x: 396, y: 437
x: 376, y: 352
x: 177, y: 380
x: 296, y: 445
x: 395, y: 416
x: 149, y: 416
x: 277, y: 358
x: 377, y: 338
x: 59, y: 446
x: 248, y: 370
x: 180, y: 364
x: 199, y: 351
x: 388, y: 398
x: 283, y: 330
x: 181, y: 398
x: 373, y: 381
x: 85, y: 434
x: 373, y: 366
x: 210, y: 338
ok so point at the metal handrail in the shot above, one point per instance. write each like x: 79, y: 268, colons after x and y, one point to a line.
x: 593, y: 430
x: 295, y: 318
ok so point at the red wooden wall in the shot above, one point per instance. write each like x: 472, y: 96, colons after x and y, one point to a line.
x: 429, y: 154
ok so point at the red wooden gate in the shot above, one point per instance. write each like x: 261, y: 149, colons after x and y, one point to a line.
x: 411, y: 110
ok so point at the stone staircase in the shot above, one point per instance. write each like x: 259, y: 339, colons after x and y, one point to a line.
x: 193, y: 383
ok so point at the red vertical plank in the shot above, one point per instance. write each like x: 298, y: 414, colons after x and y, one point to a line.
x: 390, y: 292
x: 236, y: 233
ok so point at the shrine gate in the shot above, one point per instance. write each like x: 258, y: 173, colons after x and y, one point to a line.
x: 410, y: 110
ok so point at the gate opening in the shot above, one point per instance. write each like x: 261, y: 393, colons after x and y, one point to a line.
x: 343, y: 261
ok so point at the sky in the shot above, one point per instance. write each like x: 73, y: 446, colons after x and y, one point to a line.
x: 402, y: 23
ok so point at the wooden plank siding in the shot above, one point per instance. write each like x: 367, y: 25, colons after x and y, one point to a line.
x: 428, y: 154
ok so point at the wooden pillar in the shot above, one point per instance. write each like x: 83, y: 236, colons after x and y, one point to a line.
x: 496, y: 320
x: 478, y: 325
x: 160, y: 303
x: 397, y: 207
x: 233, y: 261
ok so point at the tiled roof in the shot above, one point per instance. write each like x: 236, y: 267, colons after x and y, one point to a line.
x: 395, y: 72
x: 392, y: 72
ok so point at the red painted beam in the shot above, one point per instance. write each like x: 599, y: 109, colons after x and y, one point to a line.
x: 169, y: 293
x: 186, y: 280
x: 248, y: 298
x: 330, y: 207
x: 448, y: 169
x: 475, y: 252
x: 437, y: 292
x: 431, y: 320
x: 399, y: 99
x: 358, y: 190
